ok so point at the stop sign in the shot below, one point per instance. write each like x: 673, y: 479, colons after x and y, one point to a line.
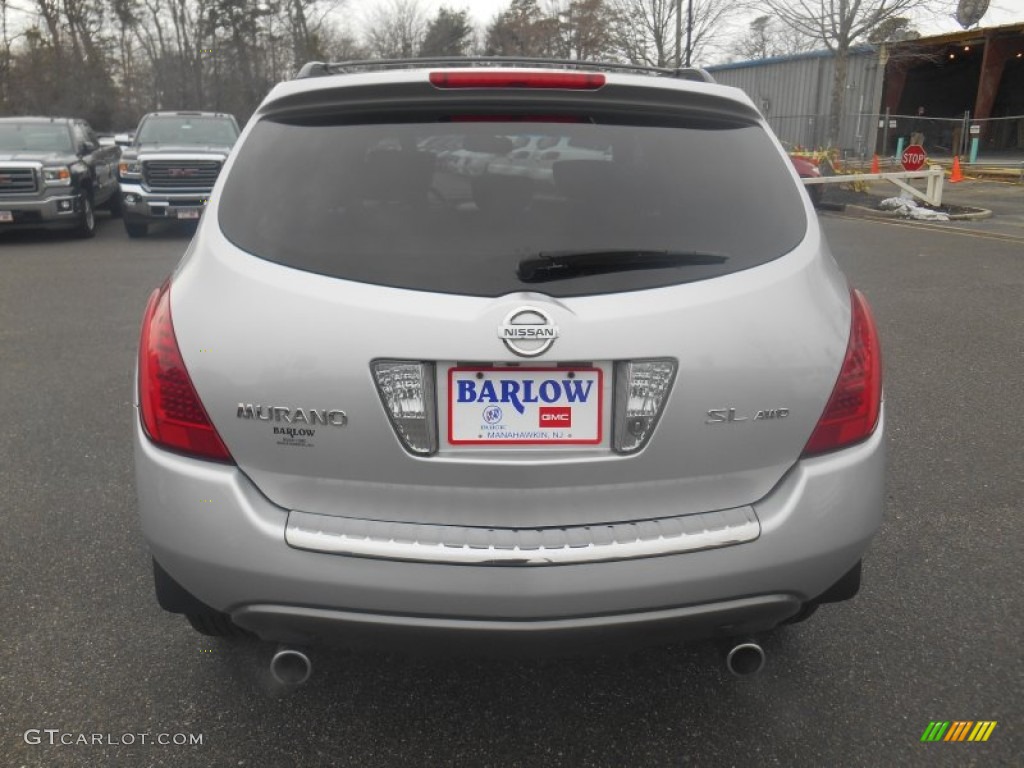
x: 913, y: 157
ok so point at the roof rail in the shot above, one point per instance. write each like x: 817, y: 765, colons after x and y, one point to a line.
x: 322, y: 68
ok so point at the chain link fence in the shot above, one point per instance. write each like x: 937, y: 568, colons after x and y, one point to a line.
x: 868, y: 133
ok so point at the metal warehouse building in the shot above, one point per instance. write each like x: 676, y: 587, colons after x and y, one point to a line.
x: 795, y: 94
x: 960, y: 86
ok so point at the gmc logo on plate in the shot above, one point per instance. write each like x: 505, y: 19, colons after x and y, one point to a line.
x: 177, y: 173
x: 555, y: 416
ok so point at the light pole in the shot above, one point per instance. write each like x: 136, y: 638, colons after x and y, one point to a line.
x: 679, y: 31
x: 689, y: 30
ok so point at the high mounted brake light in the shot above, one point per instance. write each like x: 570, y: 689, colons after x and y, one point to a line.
x: 576, y: 81
x: 172, y: 414
x: 852, y: 411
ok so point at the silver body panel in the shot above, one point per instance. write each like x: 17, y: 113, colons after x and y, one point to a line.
x: 295, y: 338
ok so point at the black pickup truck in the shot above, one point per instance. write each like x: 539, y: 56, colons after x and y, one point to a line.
x: 54, y: 175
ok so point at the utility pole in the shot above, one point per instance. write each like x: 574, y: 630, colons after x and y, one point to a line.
x: 689, y: 30
x: 679, y: 31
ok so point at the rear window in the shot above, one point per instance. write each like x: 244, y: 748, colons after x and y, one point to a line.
x: 35, y: 137
x: 453, y: 205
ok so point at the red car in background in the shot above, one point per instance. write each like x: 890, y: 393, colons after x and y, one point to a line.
x: 807, y: 169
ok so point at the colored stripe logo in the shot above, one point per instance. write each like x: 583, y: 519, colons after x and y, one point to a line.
x: 958, y: 730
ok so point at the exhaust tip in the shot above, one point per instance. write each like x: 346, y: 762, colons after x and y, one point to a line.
x: 745, y: 659
x: 291, y: 667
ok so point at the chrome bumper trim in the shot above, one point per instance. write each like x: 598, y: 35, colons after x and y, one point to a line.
x: 158, y: 197
x: 521, y: 546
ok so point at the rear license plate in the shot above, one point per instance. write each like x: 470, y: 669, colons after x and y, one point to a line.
x: 188, y: 213
x: 6, y: 216
x: 525, y: 406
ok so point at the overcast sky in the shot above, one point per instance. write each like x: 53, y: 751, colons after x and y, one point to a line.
x: 999, y: 12
x: 483, y: 12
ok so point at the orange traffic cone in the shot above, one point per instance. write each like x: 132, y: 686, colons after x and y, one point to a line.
x: 874, y: 165
x: 957, y: 174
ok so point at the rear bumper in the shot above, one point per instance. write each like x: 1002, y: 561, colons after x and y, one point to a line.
x: 318, y: 626
x: 214, y: 533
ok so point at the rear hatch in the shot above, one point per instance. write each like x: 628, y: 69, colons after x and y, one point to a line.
x: 394, y: 313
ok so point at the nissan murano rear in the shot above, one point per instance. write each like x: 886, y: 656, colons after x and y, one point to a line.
x: 510, y: 356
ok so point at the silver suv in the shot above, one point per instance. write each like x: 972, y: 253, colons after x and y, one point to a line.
x: 410, y: 383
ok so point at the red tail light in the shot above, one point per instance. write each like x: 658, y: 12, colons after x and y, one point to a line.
x: 852, y: 411
x: 577, y: 81
x: 172, y: 413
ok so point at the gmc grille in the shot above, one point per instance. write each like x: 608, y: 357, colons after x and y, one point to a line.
x: 17, y: 180
x: 180, y: 174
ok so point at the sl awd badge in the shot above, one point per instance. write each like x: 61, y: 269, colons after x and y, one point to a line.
x: 528, y: 331
x: 728, y: 415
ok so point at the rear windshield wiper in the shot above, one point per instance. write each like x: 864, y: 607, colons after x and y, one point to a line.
x: 565, y: 264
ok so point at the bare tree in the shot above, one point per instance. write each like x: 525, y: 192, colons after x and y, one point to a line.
x: 342, y: 45
x: 839, y: 25
x: 647, y: 29
x: 898, y: 29
x: 449, y: 33
x: 586, y: 29
x: 394, y: 30
x: 766, y: 38
x: 523, y: 29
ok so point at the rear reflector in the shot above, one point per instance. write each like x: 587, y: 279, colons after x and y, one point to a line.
x: 852, y: 411
x: 406, y: 389
x: 171, y: 411
x: 641, y: 390
x: 577, y: 81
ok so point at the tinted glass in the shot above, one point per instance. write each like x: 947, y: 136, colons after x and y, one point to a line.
x: 35, y: 137
x: 454, y: 205
x: 187, y: 131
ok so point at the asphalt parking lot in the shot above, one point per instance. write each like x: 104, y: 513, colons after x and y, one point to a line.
x: 934, y: 635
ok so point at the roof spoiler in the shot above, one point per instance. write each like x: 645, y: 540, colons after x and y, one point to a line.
x: 321, y: 68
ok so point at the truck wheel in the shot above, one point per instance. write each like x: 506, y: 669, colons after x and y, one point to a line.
x: 116, y: 205
x: 87, y: 223
x: 136, y: 228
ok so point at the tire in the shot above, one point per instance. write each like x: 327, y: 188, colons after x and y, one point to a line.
x: 86, y: 227
x: 136, y: 228
x: 116, y: 205
x: 817, y: 192
x: 215, y: 625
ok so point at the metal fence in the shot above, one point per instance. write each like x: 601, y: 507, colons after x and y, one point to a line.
x: 868, y: 133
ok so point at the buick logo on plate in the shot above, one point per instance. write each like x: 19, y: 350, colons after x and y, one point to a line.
x: 528, y: 332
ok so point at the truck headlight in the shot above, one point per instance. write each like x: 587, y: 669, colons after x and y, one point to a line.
x: 57, y: 176
x: 129, y: 169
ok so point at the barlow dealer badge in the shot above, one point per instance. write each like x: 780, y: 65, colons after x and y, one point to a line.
x: 528, y: 331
